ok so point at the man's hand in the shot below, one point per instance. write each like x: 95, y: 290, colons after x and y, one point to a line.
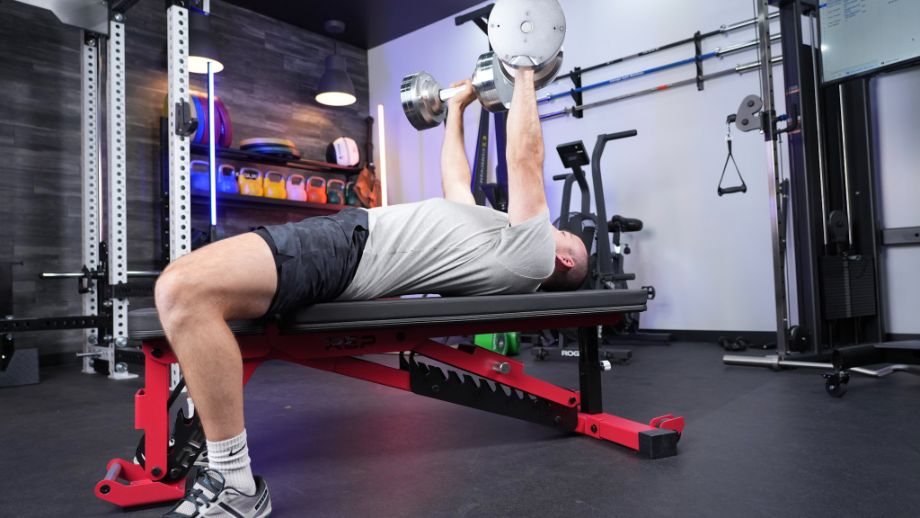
x: 459, y: 102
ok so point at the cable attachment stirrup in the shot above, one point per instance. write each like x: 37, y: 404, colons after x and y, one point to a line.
x: 728, y: 140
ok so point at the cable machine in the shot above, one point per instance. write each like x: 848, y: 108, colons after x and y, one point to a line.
x: 832, y: 211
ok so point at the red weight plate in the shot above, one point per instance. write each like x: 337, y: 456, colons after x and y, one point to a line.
x: 226, y: 135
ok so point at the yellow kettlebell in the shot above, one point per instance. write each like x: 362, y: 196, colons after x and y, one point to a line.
x: 251, y: 182
x: 273, y: 185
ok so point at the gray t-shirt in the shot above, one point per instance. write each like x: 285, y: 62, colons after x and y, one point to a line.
x: 448, y: 248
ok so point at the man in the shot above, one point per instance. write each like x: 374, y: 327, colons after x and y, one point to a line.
x: 447, y: 246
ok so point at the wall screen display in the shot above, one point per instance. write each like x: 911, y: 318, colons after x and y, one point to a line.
x: 859, y: 36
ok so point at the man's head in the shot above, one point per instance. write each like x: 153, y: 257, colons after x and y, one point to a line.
x: 571, y: 263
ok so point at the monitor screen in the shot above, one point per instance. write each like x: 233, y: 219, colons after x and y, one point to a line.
x: 861, y: 36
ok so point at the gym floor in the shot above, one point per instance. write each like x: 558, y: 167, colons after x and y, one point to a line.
x: 757, y: 443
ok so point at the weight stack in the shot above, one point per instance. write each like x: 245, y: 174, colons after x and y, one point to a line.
x: 848, y: 286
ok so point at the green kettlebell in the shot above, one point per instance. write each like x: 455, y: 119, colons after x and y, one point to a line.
x: 351, y: 197
x: 335, y: 192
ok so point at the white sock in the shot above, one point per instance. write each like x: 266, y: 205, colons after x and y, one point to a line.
x: 230, y: 458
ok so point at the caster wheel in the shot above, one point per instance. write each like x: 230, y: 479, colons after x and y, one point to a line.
x: 836, y: 383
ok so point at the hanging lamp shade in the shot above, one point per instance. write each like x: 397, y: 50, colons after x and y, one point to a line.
x: 201, y: 47
x: 335, y: 87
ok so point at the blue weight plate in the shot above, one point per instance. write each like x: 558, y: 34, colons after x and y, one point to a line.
x: 202, y: 122
x: 275, y: 151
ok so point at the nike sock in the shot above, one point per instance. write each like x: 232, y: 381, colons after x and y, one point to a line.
x: 230, y: 458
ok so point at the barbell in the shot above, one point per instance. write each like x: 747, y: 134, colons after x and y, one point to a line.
x: 424, y: 101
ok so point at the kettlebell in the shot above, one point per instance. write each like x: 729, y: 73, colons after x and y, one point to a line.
x: 296, y: 184
x: 335, y: 192
x: 201, y: 176
x: 351, y: 196
x: 251, y: 182
x: 316, y: 189
x: 273, y: 185
x: 226, y: 179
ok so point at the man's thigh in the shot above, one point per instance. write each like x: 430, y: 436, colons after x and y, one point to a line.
x: 237, y: 274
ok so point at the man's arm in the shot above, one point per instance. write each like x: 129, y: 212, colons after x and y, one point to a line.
x: 455, y: 167
x: 526, y: 197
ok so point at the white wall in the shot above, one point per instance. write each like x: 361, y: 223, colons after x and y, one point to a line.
x: 896, y: 107
x: 709, y: 257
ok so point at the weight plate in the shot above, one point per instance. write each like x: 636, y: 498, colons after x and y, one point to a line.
x: 268, y: 150
x: 201, y: 134
x: 526, y: 33
x: 543, y: 75
x: 264, y: 141
x: 269, y: 147
x: 494, y: 88
x: 421, y: 102
x: 219, y: 125
x: 286, y: 155
x: 226, y: 133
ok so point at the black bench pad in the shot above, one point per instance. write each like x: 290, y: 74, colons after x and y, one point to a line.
x: 420, y: 312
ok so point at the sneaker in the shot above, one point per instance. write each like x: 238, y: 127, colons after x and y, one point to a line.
x: 209, y: 497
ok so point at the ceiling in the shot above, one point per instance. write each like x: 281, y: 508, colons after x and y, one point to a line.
x: 368, y: 23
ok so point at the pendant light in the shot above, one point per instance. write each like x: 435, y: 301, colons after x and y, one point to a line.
x: 335, y: 87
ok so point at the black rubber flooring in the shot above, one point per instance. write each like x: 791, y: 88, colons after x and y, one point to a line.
x: 757, y: 443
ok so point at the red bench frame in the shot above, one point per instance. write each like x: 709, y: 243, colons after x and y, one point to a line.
x: 128, y: 484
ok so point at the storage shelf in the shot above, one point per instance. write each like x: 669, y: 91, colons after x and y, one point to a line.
x: 256, y: 202
x: 268, y: 160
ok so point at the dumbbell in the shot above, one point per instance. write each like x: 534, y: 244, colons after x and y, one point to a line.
x: 423, y: 99
x: 527, y: 34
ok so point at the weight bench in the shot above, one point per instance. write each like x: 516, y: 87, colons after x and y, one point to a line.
x: 329, y: 336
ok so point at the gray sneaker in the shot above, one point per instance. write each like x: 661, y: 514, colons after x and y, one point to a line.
x: 209, y: 497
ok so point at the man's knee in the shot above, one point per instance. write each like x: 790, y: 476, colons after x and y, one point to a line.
x: 178, y: 291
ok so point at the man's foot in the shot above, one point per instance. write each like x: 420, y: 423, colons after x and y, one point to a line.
x: 210, y: 497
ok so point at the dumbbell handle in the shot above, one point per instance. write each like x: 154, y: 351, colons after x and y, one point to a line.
x: 449, y: 93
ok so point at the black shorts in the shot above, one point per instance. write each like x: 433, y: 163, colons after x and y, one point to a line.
x: 316, y: 258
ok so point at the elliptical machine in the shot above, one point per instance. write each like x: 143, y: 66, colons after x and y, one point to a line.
x: 606, y: 270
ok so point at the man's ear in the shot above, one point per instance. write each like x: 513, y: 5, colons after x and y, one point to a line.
x: 564, y: 262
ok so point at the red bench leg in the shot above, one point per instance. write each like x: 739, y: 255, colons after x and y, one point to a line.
x: 128, y: 484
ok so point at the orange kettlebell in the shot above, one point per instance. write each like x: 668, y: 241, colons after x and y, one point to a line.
x: 273, y: 185
x: 316, y: 189
x: 251, y: 182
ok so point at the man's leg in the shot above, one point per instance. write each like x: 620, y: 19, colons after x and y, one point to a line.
x: 195, y: 296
